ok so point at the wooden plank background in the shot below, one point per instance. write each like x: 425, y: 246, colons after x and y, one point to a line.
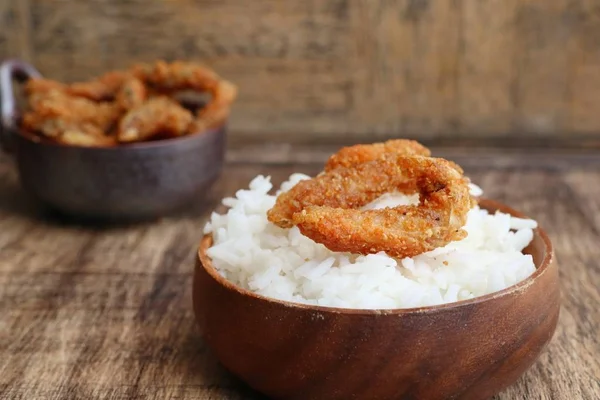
x: 341, y: 70
x: 105, y: 312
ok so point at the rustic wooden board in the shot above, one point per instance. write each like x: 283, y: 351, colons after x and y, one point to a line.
x: 15, y: 29
x: 542, y: 102
x: 487, y: 66
x: 584, y: 17
x: 105, y: 311
x: 347, y: 69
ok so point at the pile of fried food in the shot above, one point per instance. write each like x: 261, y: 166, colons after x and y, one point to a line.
x: 135, y: 105
x: 326, y: 208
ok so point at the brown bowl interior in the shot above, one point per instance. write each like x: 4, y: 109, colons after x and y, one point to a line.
x: 467, y: 349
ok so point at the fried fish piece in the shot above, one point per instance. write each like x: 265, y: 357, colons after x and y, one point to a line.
x: 217, y: 110
x: 104, y: 88
x: 361, y: 153
x: 325, y: 208
x: 136, y: 104
x: 53, y: 111
x: 131, y: 94
x: 178, y: 75
x: 166, y: 77
x: 158, y: 116
x: 85, y: 139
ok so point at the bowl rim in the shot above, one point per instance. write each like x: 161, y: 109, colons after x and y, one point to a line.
x: 204, y: 262
x: 217, y: 130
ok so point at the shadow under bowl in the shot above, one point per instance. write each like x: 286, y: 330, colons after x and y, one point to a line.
x: 131, y: 182
x: 469, y: 349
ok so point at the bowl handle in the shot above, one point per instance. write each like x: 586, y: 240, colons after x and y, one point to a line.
x: 11, y: 70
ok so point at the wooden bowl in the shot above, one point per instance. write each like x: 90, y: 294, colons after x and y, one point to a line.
x: 469, y: 349
x: 129, y: 182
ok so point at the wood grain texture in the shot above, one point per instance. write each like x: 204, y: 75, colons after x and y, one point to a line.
x: 487, y: 65
x: 584, y: 17
x: 542, y: 34
x: 105, y: 311
x: 15, y: 29
x: 347, y: 69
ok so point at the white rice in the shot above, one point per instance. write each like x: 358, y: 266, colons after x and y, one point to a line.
x: 283, y: 264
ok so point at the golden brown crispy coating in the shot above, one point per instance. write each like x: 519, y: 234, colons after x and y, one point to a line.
x: 69, y: 133
x: 54, y: 127
x: 158, y: 116
x: 340, y: 188
x: 403, y: 231
x: 131, y: 94
x: 104, y: 88
x: 169, y: 77
x: 177, y: 75
x: 217, y: 110
x: 360, y: 153
x: 211, y: 120
x: 42, y: 86
x: 400, y: 232
x: 54, y: 111
x: 117, y: 104
x: 86, y: 139
x: 38, y: 89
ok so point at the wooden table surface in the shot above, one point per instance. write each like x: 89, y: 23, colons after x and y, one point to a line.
x: 105, y: 311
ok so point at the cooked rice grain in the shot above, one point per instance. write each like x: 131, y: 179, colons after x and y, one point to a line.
x: 283, y: 264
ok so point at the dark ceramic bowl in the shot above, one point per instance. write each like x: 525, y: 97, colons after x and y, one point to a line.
x: 134, y: 181
x: 469, y: 349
